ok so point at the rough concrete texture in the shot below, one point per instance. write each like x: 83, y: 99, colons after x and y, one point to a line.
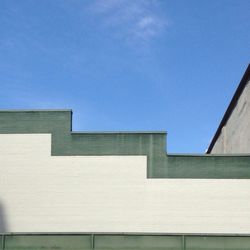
x: 235, y: 135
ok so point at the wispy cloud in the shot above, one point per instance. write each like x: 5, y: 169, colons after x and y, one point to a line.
x: 132, y: 20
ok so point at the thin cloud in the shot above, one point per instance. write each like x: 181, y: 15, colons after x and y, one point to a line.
x: 136, y: 20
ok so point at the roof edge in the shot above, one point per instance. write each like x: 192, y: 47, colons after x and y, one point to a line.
x: 119, y: 132
x: 230, y: 108
x: 34, y: 110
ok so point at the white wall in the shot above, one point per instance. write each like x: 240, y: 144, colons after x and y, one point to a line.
x: 43, y: 193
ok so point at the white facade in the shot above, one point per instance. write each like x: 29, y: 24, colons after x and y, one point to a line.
x: 44, y: 193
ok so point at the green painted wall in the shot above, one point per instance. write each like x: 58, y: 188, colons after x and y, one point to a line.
x: 124, y: 242
x: 215, y: 242
x: 35, y: 242
x: 152, y: 144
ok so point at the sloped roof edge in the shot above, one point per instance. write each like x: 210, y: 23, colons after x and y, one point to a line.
x: 230, y: 108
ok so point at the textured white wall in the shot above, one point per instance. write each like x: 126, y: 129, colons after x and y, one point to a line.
x: 235, y: 135
x: 43, y: 193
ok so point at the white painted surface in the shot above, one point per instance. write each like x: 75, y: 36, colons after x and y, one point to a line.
x: 43, y: 193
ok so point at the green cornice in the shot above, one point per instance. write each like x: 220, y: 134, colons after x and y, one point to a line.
x: 119, y: 132
x: 152, y: 144
x: 33, y: 110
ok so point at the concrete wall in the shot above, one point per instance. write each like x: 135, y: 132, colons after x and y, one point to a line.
x: 235, y: 135
x: 44, y: 193
x: 122, y: 242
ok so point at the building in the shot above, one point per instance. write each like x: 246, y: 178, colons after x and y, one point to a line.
x: 119, y: 190
x: 233, y: 133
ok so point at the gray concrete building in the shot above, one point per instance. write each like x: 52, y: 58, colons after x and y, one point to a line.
x: 233, y: 133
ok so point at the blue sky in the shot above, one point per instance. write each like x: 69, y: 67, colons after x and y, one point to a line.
x: 126, y: 64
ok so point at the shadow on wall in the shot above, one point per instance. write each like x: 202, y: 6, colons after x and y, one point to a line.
x: 3, y: 226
